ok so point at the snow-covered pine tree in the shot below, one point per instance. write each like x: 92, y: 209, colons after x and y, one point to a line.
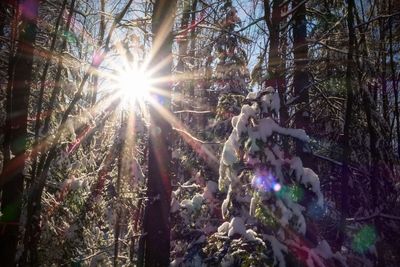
x: 269, y: 194
x: 231, y: 74
x: 195, y: 206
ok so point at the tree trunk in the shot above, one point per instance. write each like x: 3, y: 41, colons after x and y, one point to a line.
x: 20, y: 90
x: 10, y: 75
x: 375, y: 165
x: 369, y: 105
x: 394, y: 81
x: 102, y: 29
x: 156, y: 221
x: 182, y: 87
x: 301, y: 79
x: 346, y: 173
x: 301, y: 90
x: 120, y: 174
x: 382, y: 53
x: 191, y: 54
x: 275, y: 61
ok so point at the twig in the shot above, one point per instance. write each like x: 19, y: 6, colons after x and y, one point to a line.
x: 293, y: 9
x: 373, y: 216
x: 251, y: 24
x: 194, y: 138
x: 376, y: 18
x: 193, y: 111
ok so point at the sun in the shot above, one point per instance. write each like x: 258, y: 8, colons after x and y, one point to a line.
x: 134, y: 84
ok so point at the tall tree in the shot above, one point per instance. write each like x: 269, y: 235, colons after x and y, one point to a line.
x: 12, y: 189
x: 395, y: 82
x: 346, y: 173
x: 156, y: 220
x: 300, y: 77
x: 272, y: 17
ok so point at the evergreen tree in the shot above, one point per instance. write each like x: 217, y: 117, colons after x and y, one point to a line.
x: 269, y: 194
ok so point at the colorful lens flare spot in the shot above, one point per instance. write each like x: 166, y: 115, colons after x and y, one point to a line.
x: 28, y: 8
x: 277, y: 187
x: 296, y: 193
x: 264, y: 182
x: 364, y: 239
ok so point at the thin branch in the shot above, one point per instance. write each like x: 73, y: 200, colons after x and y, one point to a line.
x: 293, y: 9
x: 376, y: 18
x: 193, y: 111
x: 194, y: 138
x: 373, y: 216
x: 251, y: 24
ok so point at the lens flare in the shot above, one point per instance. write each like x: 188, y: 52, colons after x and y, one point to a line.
x: 265, y: 181
x: 134, y: 84
x: 364, y: 239
x: 277, y: 187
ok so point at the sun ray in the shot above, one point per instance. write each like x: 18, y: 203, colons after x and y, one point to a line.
x: 199, y: 148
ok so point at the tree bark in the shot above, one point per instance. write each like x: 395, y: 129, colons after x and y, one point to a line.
x: 156, y: 219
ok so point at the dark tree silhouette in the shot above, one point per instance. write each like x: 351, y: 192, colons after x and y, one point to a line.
x: 156, y: 245
x: 17, y: 115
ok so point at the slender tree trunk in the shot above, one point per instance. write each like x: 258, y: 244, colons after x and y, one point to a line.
x: 346, y: 173
x: 189, y: 95
x: 10, y: 76
x: 375, y: 165
x: 182, y: 87
x: 369, y: 105
x: 157, y: 221
x: 191, y: 54
x: 387, y: 132
x: 275, y: 61
x: 301, y: 79
x: 382, y: 52
x: 184, y: 39
x: 121, y: 173
x: 301, y: 90
x: 20, y: 90
x: 102, y: 29
x: 394, y: 82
